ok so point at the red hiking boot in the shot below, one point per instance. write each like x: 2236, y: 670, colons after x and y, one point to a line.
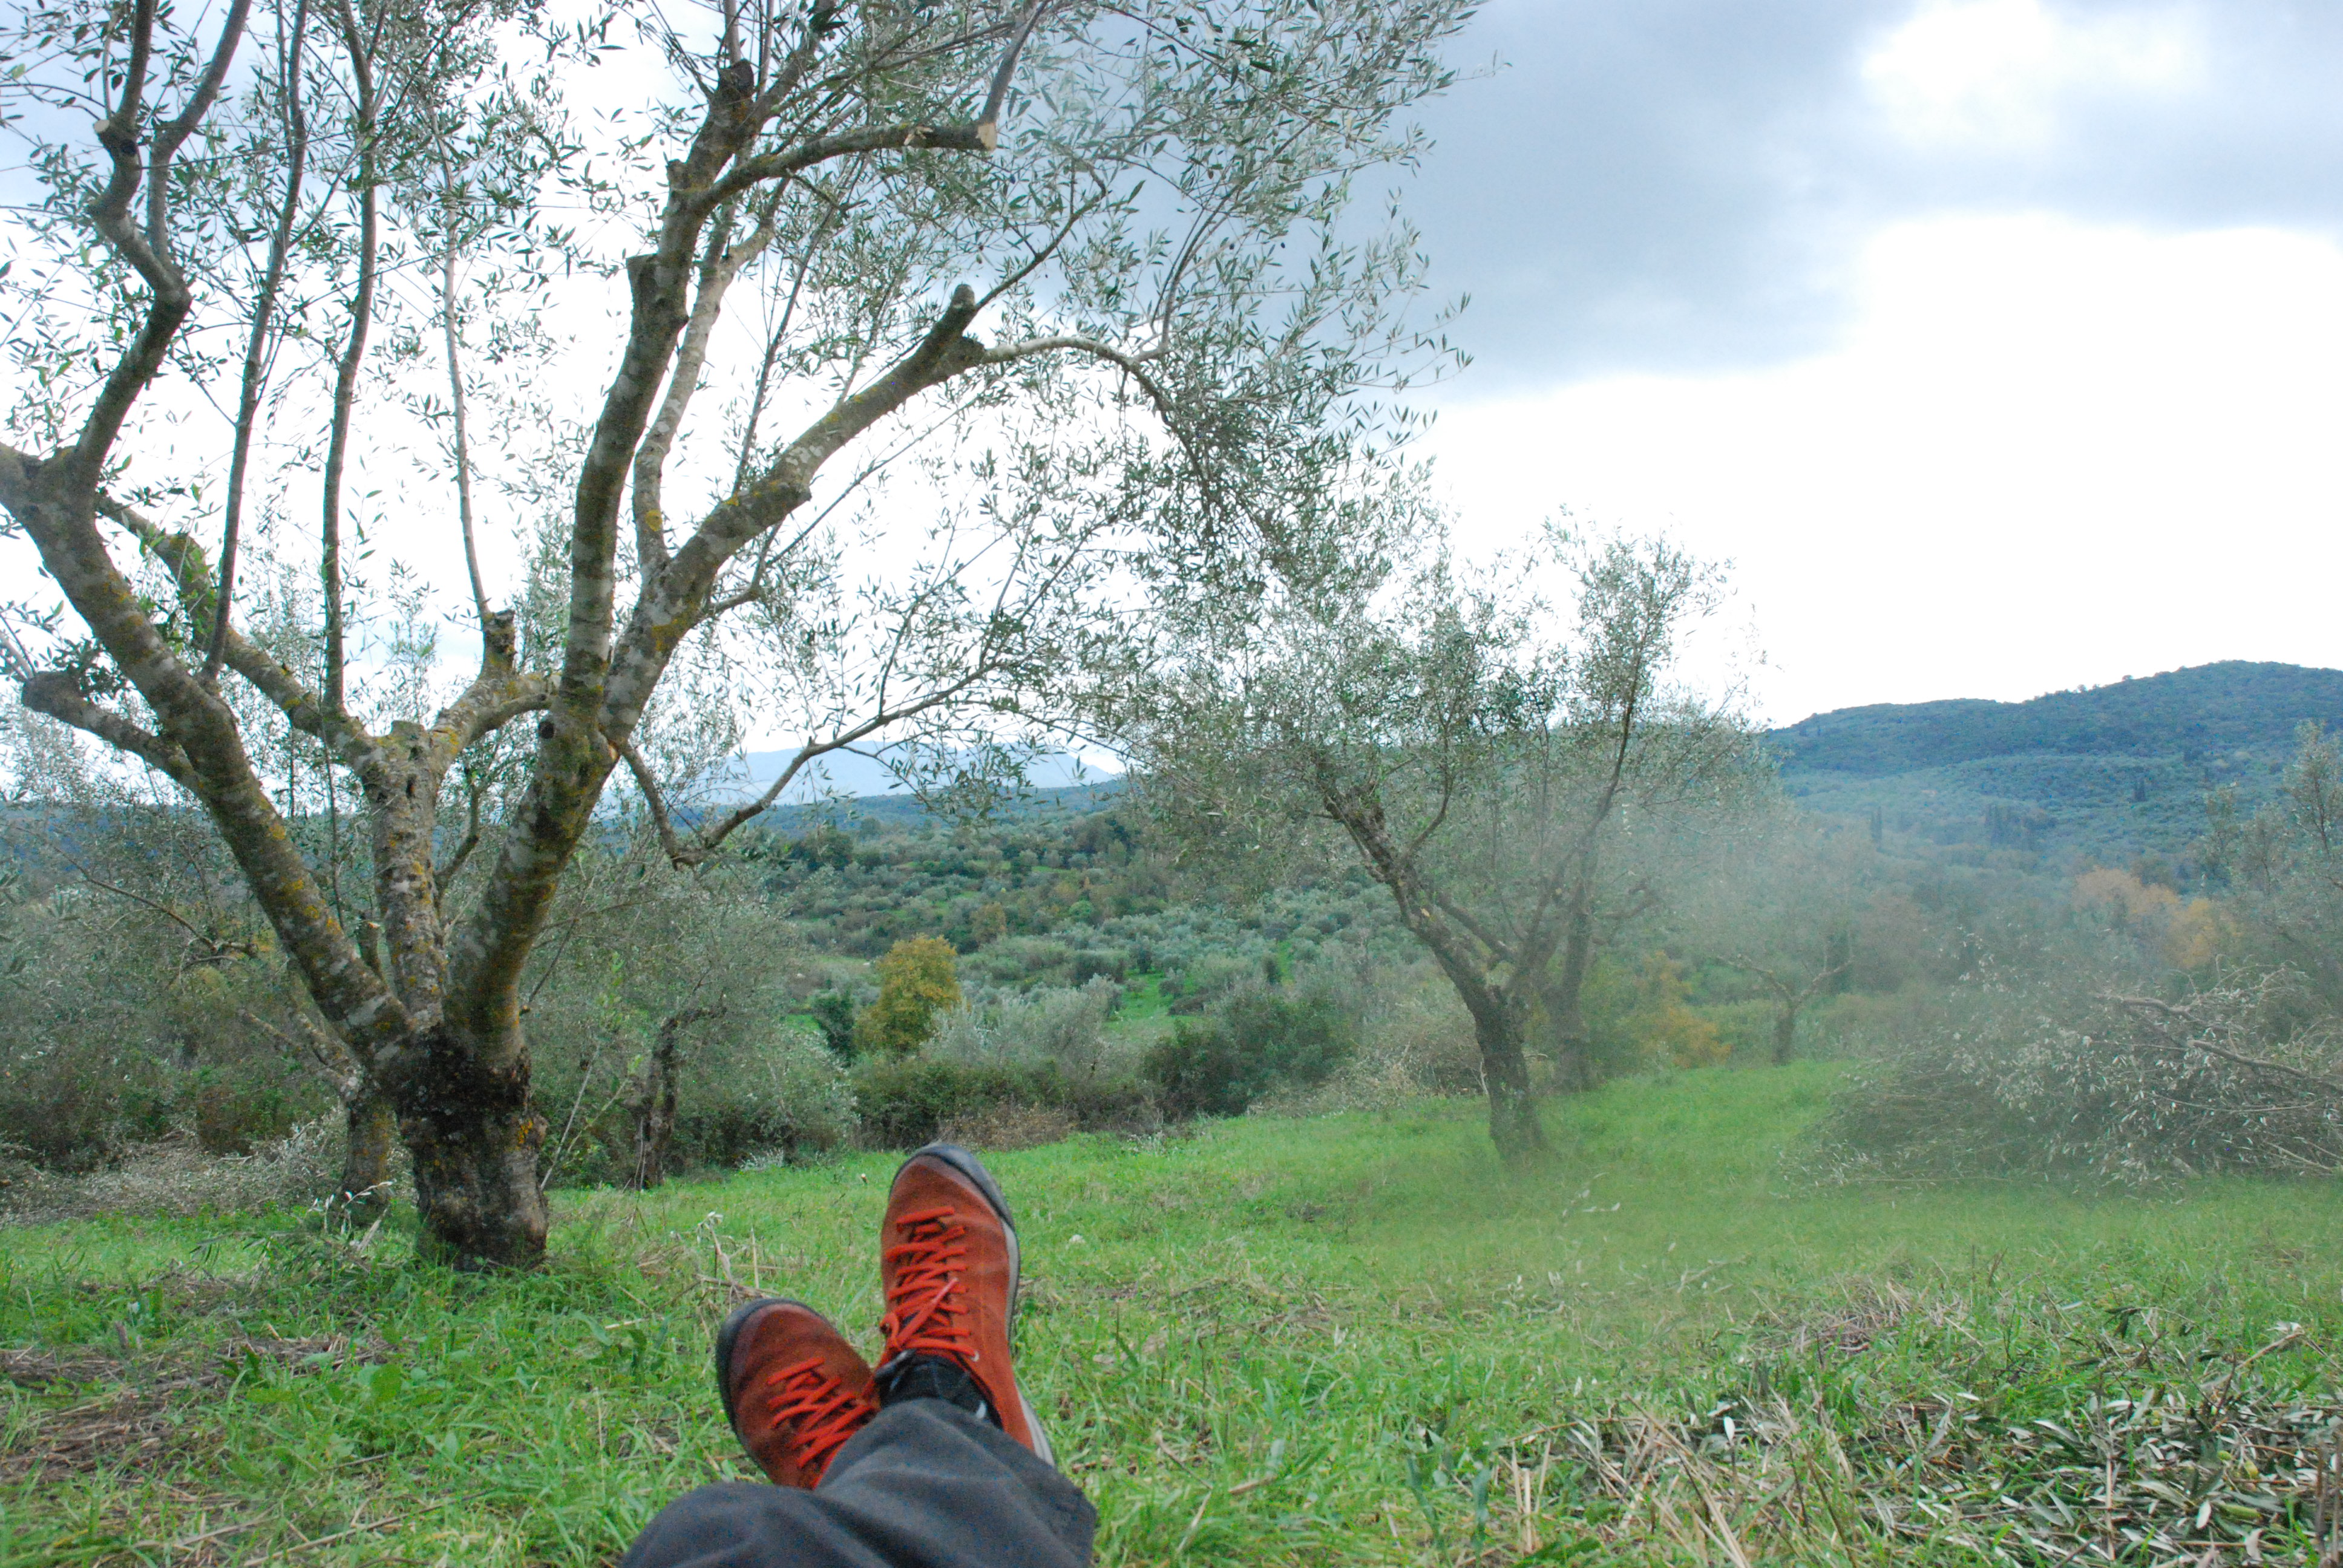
x: 947, y: 1266
x: 793, y: 1389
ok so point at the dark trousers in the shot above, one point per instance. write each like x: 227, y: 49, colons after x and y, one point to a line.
x: 925, y: 1486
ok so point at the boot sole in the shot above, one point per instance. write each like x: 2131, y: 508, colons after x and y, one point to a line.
x: 970, y: 1166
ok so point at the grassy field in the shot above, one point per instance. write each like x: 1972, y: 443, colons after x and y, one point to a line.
x: 1345, y: 1340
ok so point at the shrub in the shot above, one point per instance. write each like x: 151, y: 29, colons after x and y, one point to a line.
x: 1052, y: 1025
x: 2052, y: 1082
x: 784, y: 1096
x: 917, y: 981
x: 1200, y: 1071
x: 1205, y: 981
x: 1090, y: 966
x: 1260, y: 1040
x: 64, y: 1109
x: 1023, y: 961
x: 1065, y: 1028
x: 775, y: 1092
x: 833, y: 1015
x: 235, y: 1112
x: 1424, y: 1037
x: 906, y: 1101
x: 1745, y: 1030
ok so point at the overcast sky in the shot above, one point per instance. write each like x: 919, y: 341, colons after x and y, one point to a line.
x: 1999, y: 343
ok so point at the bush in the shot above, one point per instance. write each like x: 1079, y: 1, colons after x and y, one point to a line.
x: 1200, y: 1071
x: 237, y: 1112
x: 1090, y: 966
x: 64, y: 1110
x: 1023, y: 961
x: 833, y: 1015
x: 774, y: 1092
x: 1423, y: 1038
x: 785, y: 1096
x: 1054, y: 1025
x: 2051, y: 1082
x: 1745, y: 1030
x: 908, y: 1100
x: 1261, y: 1039
x: 1200, y: 984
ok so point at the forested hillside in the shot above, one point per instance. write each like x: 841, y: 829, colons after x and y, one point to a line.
x: 2108, y: 773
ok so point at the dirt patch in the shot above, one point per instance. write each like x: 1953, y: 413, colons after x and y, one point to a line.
x: 131, y: 1410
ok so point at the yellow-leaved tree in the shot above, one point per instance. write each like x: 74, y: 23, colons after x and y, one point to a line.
x: 917, y: 981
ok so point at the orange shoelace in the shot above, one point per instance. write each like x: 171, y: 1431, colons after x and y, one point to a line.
x: 925, y: 1305
x: 814, y: 1413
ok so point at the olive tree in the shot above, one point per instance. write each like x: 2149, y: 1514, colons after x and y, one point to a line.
x: 1496, y: 763
x: 1781, y: 901
x: 2282, y: 869
x: 1040, y: 264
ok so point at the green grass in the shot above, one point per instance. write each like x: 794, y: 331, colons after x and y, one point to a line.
x: 1143, y: 1000
x: 1353, y: 1339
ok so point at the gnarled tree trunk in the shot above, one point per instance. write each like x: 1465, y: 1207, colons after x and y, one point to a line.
x: 474, y: 1135
x: 369, y: 1125
x: 654, y: 1101
x: 1513, y: 1125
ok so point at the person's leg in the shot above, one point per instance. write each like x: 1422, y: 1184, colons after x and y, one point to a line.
x: 955, y: 1471
x: 925, y: 1486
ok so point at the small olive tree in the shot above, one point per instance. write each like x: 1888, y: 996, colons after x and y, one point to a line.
x: 1781, y: 901
x: 2281, y: 870
x: 1487, y: 767
x: 969, y: 241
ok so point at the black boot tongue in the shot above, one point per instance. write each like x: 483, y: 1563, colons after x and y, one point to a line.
x: 932, y: 1377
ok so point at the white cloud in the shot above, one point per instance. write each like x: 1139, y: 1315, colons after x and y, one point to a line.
x: 2046, y: 454
x: 1993, y: 73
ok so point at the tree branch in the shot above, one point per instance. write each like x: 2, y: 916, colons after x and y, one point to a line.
x: 750, y: 173
x: 707, y: 840
x: 53, y: 692
x: 446, y: 873
x: 681, y: 856
x: 169, y: 139
x: 1132, y: 365
x: 717, y: 274
x: 264, y: 311
x: 191, y: 580
x: 345, y: 374
x: 218, y: 949
x: 449, y: 341
x: 2149, y: 1004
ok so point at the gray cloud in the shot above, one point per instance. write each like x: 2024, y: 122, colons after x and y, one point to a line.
x: 1678, y: 185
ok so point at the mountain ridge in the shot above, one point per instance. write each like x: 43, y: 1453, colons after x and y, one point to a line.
x: 2101, y: 775
x: 2199, y: 708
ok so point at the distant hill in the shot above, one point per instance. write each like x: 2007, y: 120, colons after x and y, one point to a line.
x: 2107, y: 773
x: 2208, y: 708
